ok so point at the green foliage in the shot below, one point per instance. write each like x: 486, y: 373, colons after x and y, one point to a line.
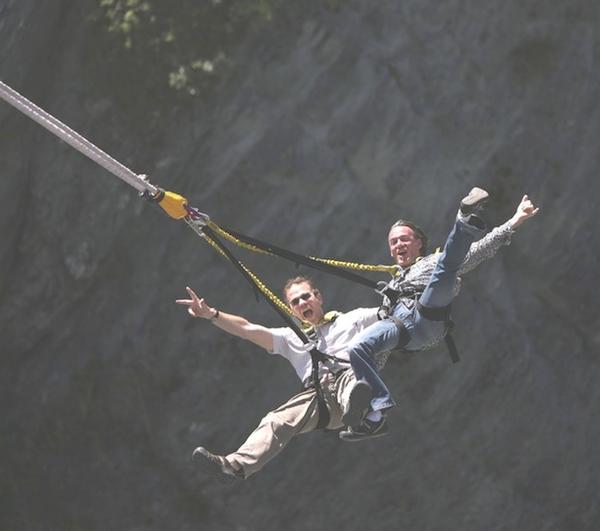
x: 182, y: 44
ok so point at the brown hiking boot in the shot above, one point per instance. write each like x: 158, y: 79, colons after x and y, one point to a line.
x: 215, y: 465
x: 474, y: 201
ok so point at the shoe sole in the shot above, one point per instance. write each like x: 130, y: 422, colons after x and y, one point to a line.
x: 358, y: 404
x: 474, y: 201
x: 355, y: 438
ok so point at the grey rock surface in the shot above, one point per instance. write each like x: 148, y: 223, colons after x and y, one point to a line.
x: 335, y: 123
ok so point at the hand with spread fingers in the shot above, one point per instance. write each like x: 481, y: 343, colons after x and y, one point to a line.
x: 196, y: 306
x: 525, y: 210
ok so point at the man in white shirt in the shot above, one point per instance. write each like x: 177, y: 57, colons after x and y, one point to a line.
x: 300, y: 414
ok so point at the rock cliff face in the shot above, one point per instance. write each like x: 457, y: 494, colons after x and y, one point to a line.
x: 335, y: 123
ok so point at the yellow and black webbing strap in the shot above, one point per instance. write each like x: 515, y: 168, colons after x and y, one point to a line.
x: 237, y: 239
x: 268, y: 295
x: 257, y: 246
x: 257, y: 283
x: 254, y: 280
x: 316, y: 356
x: 380, y: 268
x: 328, y: 266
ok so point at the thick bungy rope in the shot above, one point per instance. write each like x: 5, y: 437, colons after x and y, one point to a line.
x: 74, y: 139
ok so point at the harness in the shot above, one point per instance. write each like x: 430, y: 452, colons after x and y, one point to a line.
x: 318, y: 357
x: 306, y: 334
x: 432, y: 314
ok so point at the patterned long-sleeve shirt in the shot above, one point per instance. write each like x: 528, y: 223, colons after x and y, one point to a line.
x: 414, y: 279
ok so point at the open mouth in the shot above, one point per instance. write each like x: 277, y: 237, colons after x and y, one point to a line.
x: 307, y: 314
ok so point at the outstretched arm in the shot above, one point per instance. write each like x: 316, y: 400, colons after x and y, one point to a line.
x: 488, y: 246
x: 232, y: 324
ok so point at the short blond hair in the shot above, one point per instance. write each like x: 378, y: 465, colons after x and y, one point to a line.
x: 298, y: 280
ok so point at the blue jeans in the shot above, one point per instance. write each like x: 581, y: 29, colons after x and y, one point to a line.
x: 385, y: 334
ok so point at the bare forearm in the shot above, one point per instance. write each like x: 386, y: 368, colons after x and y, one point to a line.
x: 238, y: 326
x: 232, y: 324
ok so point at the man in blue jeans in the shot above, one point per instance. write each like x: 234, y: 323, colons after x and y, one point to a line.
x: 418, y: 318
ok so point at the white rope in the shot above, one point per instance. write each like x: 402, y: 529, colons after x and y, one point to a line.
x: 74, y: 139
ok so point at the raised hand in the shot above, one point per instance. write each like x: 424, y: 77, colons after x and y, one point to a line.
x: 196, y: 306
x: 525, y: 210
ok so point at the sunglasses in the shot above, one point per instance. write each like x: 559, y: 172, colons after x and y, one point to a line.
x: 304, y: 297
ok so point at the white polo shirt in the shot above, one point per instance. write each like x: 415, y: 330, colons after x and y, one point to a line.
x: 332, y: 338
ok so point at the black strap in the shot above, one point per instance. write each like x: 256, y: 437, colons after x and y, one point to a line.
x: 442, y: 314
x: 305, y: 260
x: 317, y: 357
x: 451, y: 345
x: 238, y: 265
x: 404, y: 334
x: 384, y: 289
x: 434, y: 314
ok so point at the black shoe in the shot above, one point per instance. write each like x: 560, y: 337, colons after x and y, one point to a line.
x: 358, y: 404
x: 367, y: 430
x: 474, y: 201
x: 215, y: 465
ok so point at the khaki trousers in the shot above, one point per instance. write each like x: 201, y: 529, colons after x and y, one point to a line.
x: 298, y: 415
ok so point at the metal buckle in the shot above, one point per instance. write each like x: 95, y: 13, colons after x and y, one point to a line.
x: 199, y: 218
